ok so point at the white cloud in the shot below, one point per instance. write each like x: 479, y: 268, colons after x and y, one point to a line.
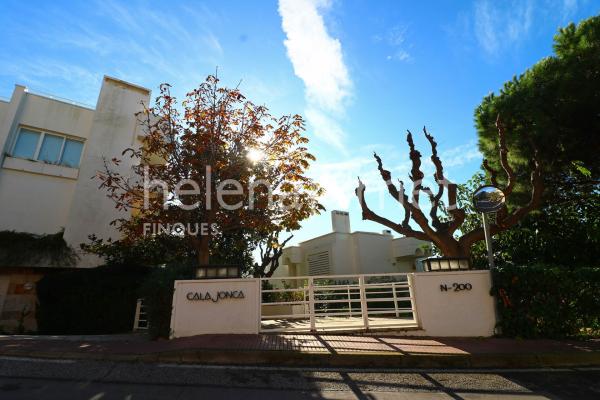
x: 317, y: 59
x: 485, y: 27
x: 395, y: 41
x: 340, y: 178
x: 327, y: 128
x: 400, y: 55
x: 316, y: 56
x: 144, y: 45
x: 569, y: 7
x: 497, y: 28
x: 460, y: 155
x: 44, y: 72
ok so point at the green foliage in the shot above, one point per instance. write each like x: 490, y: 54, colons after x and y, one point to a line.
x: 165, y: 249
x: 88, y: 301
x: 157, y: 291
x: 234, y: 248
x: 547, y: 302
x: 280, y: 297
x: 556, y: 104
x: 144, y: 251
x: 22, y: 249
x: 565, y: 232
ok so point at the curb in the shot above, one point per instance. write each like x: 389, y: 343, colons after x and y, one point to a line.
x: 355, y: 360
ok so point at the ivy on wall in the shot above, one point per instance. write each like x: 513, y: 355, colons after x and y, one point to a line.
x: 23, y: 249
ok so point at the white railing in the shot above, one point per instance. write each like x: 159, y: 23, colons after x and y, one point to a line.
x: 337, y: 302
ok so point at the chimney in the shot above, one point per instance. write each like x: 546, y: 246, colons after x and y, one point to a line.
x: 340, y: 221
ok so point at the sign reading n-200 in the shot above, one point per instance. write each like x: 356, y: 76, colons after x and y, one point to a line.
x: 455, y: 287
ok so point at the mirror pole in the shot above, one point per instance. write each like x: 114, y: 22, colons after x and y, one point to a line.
x: 488, y: 240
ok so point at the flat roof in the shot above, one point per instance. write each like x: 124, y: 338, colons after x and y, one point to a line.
x: 61, y: 100
x: 346, y: 233
x: 129, y: 84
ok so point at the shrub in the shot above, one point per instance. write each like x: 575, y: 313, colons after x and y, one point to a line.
x: 88, y: 301
x: 157, y: 291
x: 280, y: 297
x: 542, y: 301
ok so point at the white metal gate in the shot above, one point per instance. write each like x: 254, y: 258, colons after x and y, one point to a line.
x: 338, y: 302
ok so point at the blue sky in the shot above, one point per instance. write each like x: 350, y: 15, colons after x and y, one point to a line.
x: 361, y: 72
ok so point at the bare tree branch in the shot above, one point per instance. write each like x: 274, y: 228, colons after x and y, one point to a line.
x: 504, y: 221
x: 270, y: 257
x: 438, y: 176
x: 416, y: 175
x: 399, y: 195
x: 406, y: 203
x: 371, y: 216
x: 413, y: 207
x: 492, y: 172
x: 458, y: 214
x: 510, y: 174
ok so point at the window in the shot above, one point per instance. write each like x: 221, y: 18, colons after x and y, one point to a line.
x: 26, y: 144
x: 48, y: 148
x: 71, y: 153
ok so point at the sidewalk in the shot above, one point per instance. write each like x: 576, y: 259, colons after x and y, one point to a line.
x: 313, y: 350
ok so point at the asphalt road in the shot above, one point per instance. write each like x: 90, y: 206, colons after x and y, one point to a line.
x: 94, y: 380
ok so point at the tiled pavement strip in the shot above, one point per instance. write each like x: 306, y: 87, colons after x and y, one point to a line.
x: 298, y: 343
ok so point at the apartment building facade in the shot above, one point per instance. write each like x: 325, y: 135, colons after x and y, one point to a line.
x: 343, y: 252
x: 51, y: 150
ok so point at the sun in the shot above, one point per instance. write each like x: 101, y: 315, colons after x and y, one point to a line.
x: 255, y: 155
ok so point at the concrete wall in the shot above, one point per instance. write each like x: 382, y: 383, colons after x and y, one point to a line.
x: 42, y: 198
x: 442, y: 311
x: 355, y: 253
x: 227, y: 315
x: 56, y: 116
x: 114, y: 128
x: 3, y: 108
x: 18, y: 299
x: 34, y: 203
x: 343, y: 255
x: 466, y: 313
x: 373, y: 253
x: 35, y: 197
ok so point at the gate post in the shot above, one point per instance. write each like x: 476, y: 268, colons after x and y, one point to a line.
x: 395, y: 299
x: 349, y: 300
x: 410, y: 278
x: 311, y: 303
x: 363, y: 301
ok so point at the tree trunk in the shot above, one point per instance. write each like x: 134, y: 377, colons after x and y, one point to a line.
x: 203, y: 250
x: 452, y: 248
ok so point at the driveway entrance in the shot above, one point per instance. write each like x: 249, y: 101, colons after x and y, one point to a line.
x: 337, y: 303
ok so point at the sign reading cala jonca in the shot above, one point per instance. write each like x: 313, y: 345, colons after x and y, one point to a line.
x: 222, y: 295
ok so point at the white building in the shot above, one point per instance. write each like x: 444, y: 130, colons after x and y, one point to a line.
x: 343, y: 252
x: 51, y: 148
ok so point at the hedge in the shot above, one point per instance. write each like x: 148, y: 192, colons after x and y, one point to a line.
x: 157, y: 291
x: 547, y: 302
x: 89, y: 301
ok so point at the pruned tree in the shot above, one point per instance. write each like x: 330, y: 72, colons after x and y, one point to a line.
x: 443, y: 231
